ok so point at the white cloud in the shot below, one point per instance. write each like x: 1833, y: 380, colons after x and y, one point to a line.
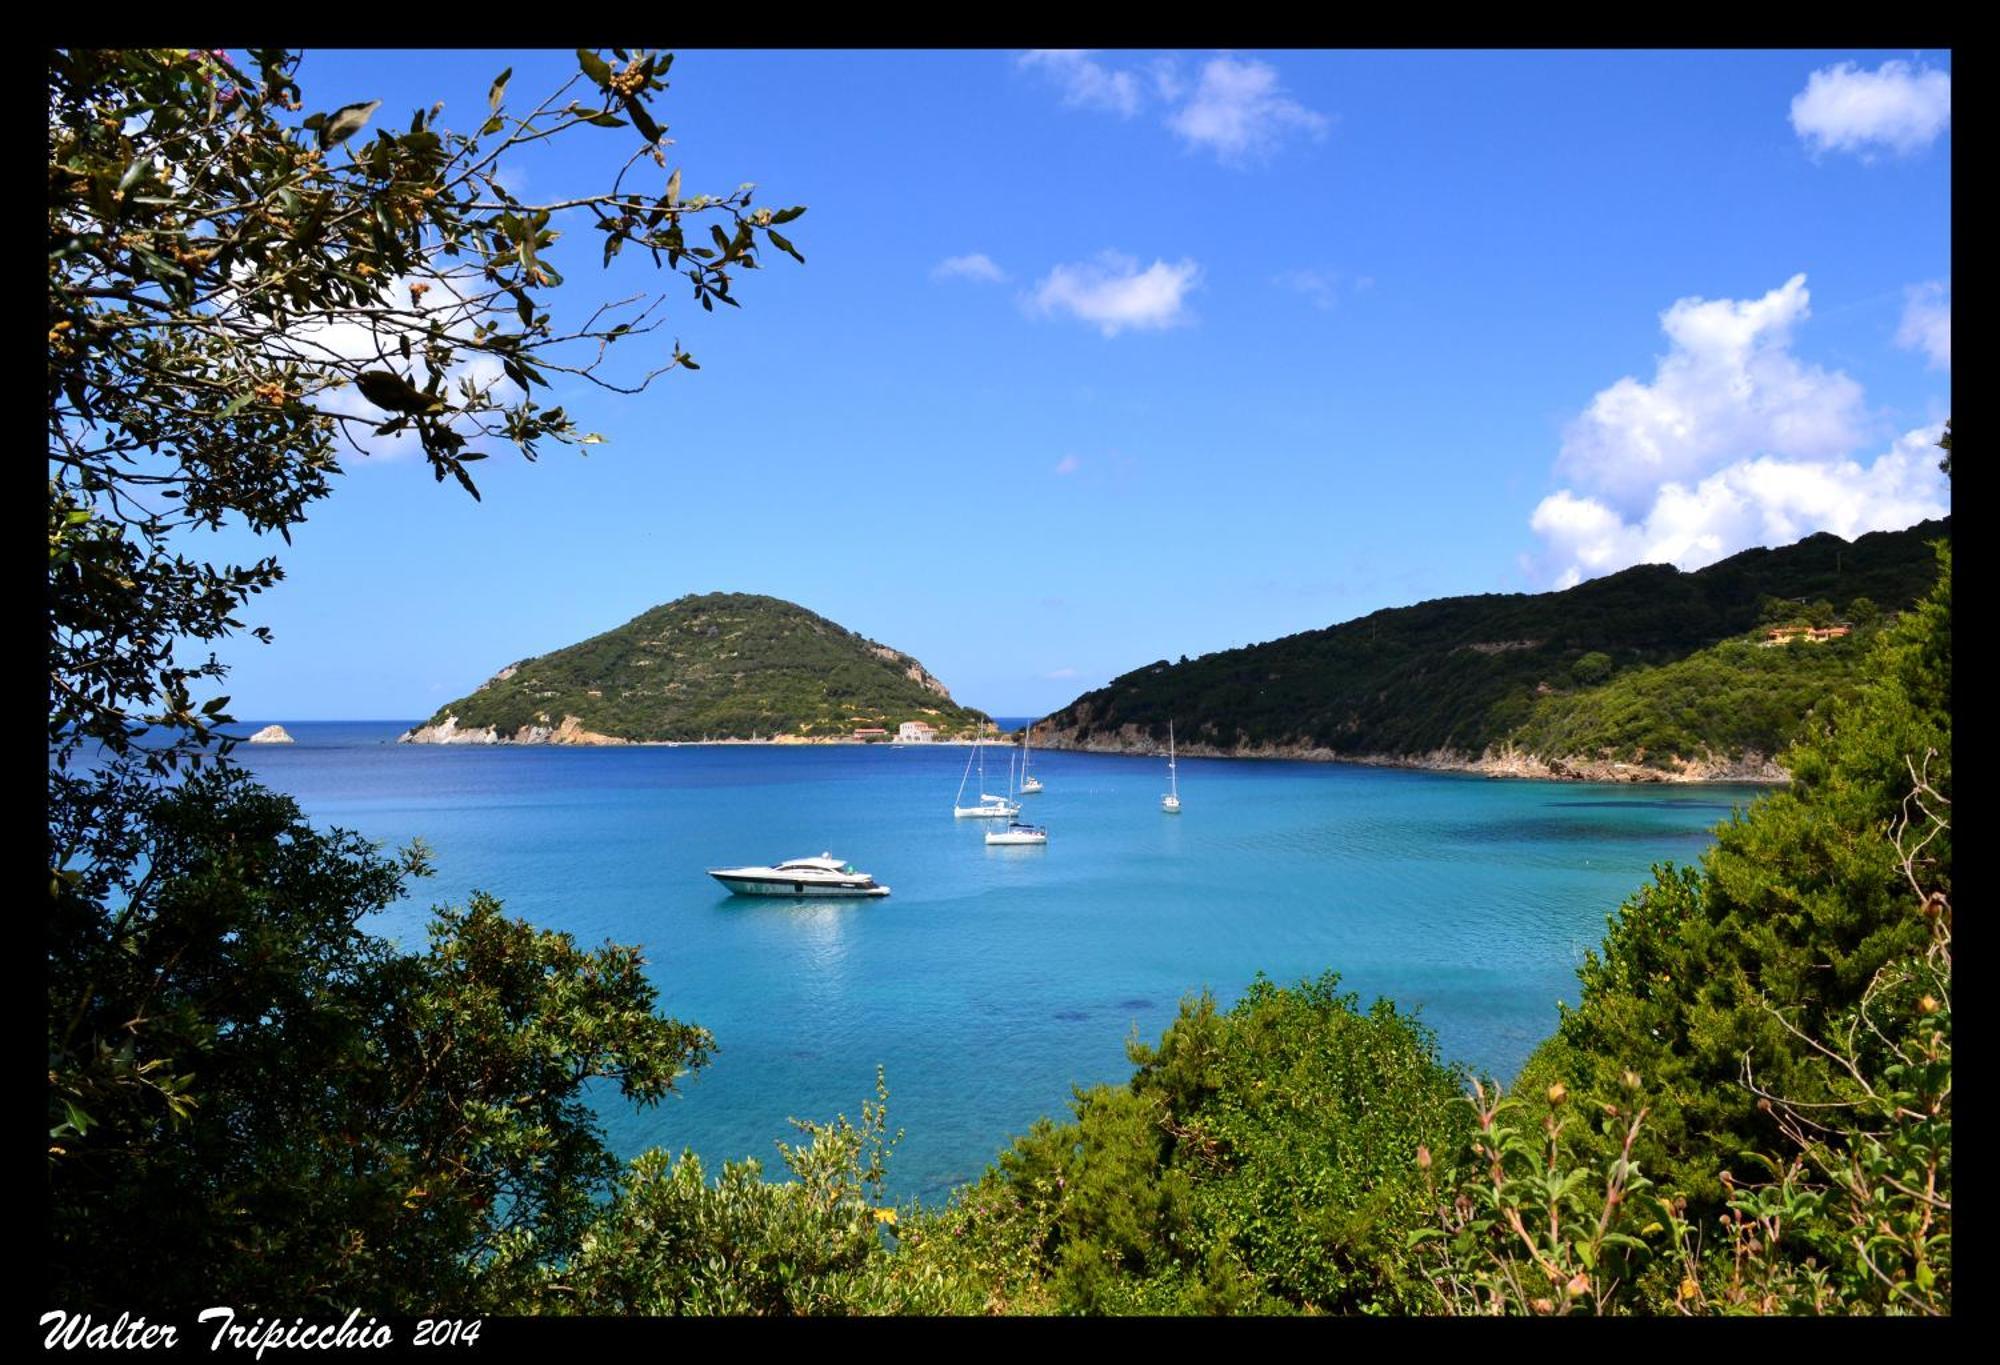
x: 1322, y: 287
x: 1898, y: 106
x: 1060, y: 673
x: 1235, y: 107
x: 1068, y: 464
x: 1086, y: 83
x: 376, y: 339
x: 1735, y: 443
x: 1240, y: 112
x: 1761, y: 501
x: 1927, y: 322
x: 1113, y: 293
x: 977, y: 266
x: 1728, y: 386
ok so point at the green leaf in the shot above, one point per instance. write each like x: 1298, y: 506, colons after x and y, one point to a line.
x: 594, y: 67
x: 648, y: 129
x: 499, y: 90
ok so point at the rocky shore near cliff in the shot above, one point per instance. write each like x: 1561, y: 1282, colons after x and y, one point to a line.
x: 449, y: 731
x: 571, y: 732
x: 1506, y: 762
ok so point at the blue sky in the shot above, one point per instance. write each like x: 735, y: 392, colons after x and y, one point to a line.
x: 1102, y: 358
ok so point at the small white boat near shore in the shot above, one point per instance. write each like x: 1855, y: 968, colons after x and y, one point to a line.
x: 825, y: 875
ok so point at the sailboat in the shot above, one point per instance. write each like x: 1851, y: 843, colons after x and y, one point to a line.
x: 1029, y: 785
x: 1016, y: 832
x: 989, y: 807
x: 1171, y: 802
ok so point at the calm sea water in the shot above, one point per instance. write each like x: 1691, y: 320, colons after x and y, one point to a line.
x: 994, y: 979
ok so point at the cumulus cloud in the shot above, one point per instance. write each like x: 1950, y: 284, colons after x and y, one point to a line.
x: 977, y: 266
x: 1927, y: 322
x: 1240, y: 111
x: 1896, y: 106
x: 1234, y: 107
x: 1729, y: 385
x: 1086, y: 83
x: 1761, y: 501
x: 1735, y: 442
x: 1113, y: 294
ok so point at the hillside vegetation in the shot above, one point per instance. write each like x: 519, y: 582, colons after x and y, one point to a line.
x: 1637, y: 664
x: 1733, y: 698
x: 717, y: 666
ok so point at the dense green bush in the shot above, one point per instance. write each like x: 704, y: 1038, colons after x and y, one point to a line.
x: 1847, y: 1210
x: 670, y: 1241
x: 1801, y: 902
x: 255, y: 1101
x: 1262, y: 1159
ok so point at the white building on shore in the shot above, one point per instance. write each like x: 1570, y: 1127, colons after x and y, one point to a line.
x: 915, y: 732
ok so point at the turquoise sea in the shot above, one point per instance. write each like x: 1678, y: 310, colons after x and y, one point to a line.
x: 992, y: 980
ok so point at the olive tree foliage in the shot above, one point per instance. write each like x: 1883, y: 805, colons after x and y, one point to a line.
x: 245, y: 288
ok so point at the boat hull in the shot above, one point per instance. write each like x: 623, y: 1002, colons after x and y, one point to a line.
x: 985, y: 812
x: 793, y: 889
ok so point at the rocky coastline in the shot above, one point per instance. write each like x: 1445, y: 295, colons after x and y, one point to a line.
x: 572, y: 732
x: 1498, y: 763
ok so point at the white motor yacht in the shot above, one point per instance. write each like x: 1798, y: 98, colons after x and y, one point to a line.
x: 825, y: 875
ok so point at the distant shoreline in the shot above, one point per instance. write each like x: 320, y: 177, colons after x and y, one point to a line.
x: 1752, y: 770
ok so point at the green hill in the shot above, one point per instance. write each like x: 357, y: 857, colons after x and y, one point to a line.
x: 1635, y: 666
x: 714, y: 666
